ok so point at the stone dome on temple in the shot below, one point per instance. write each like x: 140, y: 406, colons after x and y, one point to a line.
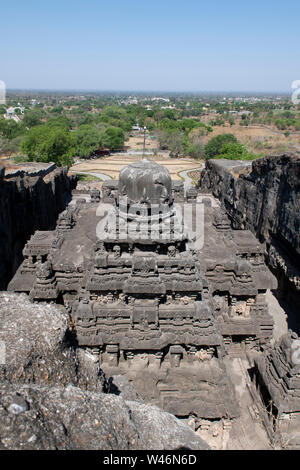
x: 145, y: 181
x: 145, y: 184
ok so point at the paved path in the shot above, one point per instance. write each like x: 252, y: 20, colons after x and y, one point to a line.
x: 187, y: 179
x: 102, y: 176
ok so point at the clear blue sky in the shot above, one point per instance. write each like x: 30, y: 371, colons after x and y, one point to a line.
x: 166, y: 45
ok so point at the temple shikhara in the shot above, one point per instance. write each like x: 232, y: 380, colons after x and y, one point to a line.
x: 155, y: 293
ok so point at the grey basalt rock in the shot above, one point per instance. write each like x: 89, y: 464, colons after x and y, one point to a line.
x: 120, y: 385
x: 263, y: 196
x: 161, y: 430
x: 46, y: 400
x: 276, y: 375
x: 30, y: 199
x: 37, y: 345
x: 70, y: 418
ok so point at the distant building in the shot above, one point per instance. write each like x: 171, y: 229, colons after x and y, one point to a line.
x: 11, y: 114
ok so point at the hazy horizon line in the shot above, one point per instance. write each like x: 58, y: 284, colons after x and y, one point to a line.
x: 132, y: 91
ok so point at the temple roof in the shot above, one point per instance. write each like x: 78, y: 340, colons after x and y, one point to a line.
x: 145, y: 181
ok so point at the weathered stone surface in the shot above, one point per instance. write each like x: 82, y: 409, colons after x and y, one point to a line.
x: 277, y: 377
x: 263, y: 196
x: 41, y: 404
x: 160, y: 430
x: 37, y: 345
x: 28, y: 203
x: 120, y: 385
x: 31, y: 169
x: 39, y: 417
x: 279, y: 368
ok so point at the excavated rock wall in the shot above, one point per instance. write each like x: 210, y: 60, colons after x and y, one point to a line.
x: 264, y: 197
x: 29, y: 201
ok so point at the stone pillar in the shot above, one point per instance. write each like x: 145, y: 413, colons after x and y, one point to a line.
x: 191, y: 353
x: 129, y: 357
x: 158, y: 358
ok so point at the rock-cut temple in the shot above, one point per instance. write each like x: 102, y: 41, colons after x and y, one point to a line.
x: 149, y: 300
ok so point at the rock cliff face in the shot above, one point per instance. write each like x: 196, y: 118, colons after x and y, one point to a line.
x: 30, y: 200
x: 264, y: 196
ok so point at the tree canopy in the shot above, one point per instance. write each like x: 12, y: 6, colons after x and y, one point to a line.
x: 227, y: 146
x: 113, y: 138
x: 88, y: 138
x: 48, y: 143
x: 214, y: 146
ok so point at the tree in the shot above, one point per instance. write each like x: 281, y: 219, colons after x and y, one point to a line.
x: 49, y: 144
x: 232, y: 151
x: 87, y: 140
x: 196, y: 150
x: 60, y: 121
x: 33, y: 118
x: 10, y: 129
x: 214, y: 145
x: 236, y: 151
x: 113, y: 138
x: 117, y: 117
x: 12, y: 146
x: 150, y: 124
x: 176, y: 143
x: 194, y: 144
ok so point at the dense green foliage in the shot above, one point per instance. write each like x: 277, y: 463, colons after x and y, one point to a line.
x: 236, y: 151
x: 88, y: 139
x: 227, y: 146
x: 48, y: 143
x: 113, y: 138
x: 10, y: 129
x: 215, y: 145
x: 61, y: 127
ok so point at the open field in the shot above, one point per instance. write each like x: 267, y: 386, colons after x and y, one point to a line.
x: 135, y: 143
x: 259, y: 139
